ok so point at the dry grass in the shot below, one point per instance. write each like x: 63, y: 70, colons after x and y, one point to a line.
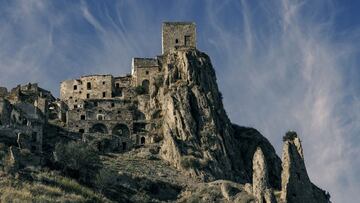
x: 46, y: 187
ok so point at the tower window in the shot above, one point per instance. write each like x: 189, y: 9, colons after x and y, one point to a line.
x: 104, y: 94
x: 187, y: 40
x: 147, y: 72
x: 103, y: 82
x: 88, y: 85
x: 82, y: 117
x: 75, y: 106
x: 112, y: 104
x: 176, y: 41
x: 75, y: 87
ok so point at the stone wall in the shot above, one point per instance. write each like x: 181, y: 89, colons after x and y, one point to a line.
x: 5, y: 111
x: 178, y: 34
x: 3, y: 91
x: 87, y: 87
x: 142, y: 71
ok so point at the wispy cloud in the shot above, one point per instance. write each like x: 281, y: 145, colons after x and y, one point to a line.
x: 292, y: 76
x: 281, y: 65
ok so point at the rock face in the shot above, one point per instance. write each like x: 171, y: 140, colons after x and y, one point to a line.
x: 197, y: 132
x: 261, y: 190
x: 296, y: 185
x: 198, y: 136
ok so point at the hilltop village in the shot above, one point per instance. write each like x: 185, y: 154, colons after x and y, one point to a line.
x: 159, y: 134
x: 115, y: 106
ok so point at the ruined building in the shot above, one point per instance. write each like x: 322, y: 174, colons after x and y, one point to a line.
x: 171, y: 105
x: 120, y: 105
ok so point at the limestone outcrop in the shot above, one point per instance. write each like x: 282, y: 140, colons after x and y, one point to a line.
x: 261, y: 190
x: 198, y: 135
x: 296, y: 185
x: 197, y: 132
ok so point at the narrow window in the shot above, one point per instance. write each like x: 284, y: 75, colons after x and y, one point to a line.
x: 95, y: 104
x: 75, y: 87
x: 117, y: 85
x: 75, y: 106
x: 104, y: 94
x: 142, y: 140
x: 82, y: 117
x: 112, y: 104
x: 147, y: 72
x: 87, y: 96
x: 88, y: 85
x: 81, y: 130
x: 187, y: 40
x: 100, y: 117
x: 176, y: 41
x: 103, y: 82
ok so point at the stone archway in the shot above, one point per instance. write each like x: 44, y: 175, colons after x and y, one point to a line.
x: 99, y: 128
x: 121, y: 130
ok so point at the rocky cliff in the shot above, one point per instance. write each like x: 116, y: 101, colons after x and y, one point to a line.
x: 199, y: 138
x: 197, y: 154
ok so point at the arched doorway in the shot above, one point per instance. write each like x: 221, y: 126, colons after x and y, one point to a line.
x: 98, y: 128
x: 145, y: 84
x: 142, y: 140
x: 121, y: 130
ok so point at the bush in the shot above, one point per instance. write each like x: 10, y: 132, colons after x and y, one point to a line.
x: 77, y: 160
x: 290, y: 135
x: 140, y: 90
x: 159, y: 80
x: 189, y: 162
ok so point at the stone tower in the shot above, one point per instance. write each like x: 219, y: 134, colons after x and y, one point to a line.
x: 178, y: 34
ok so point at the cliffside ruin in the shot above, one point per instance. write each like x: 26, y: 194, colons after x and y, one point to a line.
x: 171, y: 103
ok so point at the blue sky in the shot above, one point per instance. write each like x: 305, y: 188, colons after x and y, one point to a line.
x: 281, y: 64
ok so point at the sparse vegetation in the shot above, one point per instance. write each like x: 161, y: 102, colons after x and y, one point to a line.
x: 46, y: 187
x: 77, y: 160
x: 290, y: 135
x: 190, y: 162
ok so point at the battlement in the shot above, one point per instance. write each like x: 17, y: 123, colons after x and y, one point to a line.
x: 178, y: 34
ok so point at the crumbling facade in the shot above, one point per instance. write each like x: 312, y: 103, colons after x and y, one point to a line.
x: 120, y: 107
x: 23, y: 116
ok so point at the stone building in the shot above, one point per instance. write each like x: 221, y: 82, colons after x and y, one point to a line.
x: 119, y: 107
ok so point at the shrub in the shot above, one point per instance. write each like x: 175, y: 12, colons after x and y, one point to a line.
x: 77, y: 160
x: 189, y: 162
x: 140, y: 90
x: 290, y: 135
x: 159, y: 80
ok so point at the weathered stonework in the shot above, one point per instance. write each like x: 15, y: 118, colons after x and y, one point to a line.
x: 178, y: 34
